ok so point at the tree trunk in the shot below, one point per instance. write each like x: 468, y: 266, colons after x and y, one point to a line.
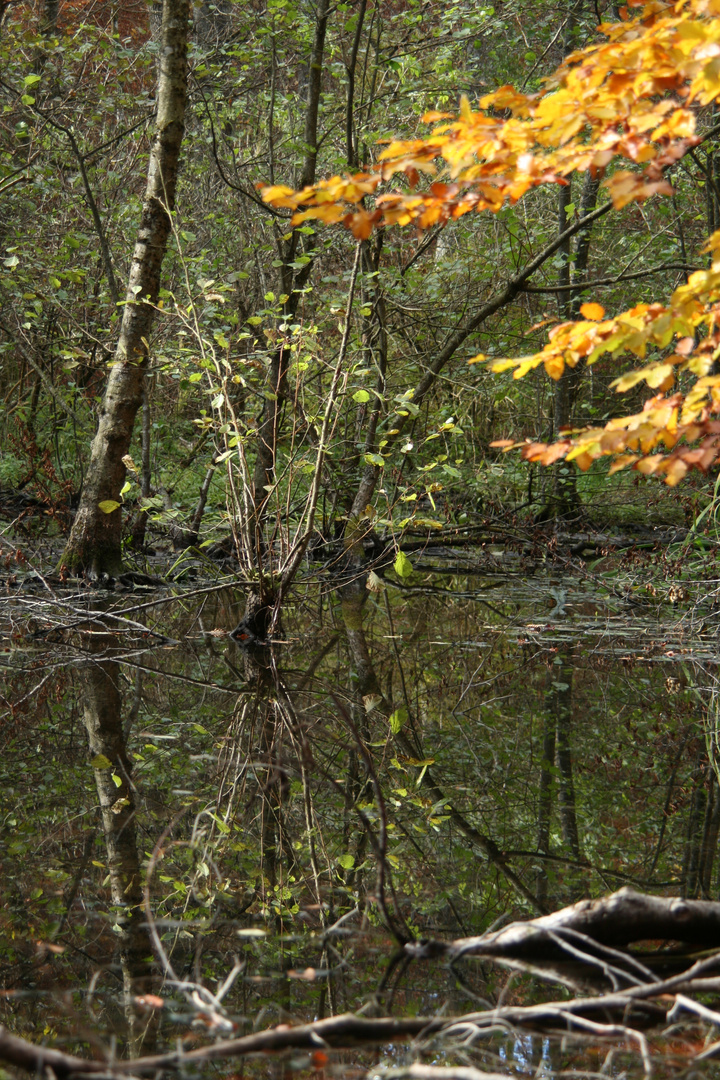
x: 292, y: 281
x: 94, y: 546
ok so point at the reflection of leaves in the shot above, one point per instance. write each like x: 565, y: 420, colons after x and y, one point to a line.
x: 402, y: 565
x: 397, y: 719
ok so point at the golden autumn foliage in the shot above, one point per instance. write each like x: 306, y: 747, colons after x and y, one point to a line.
x: 634, y: 97
x: 687, y: 333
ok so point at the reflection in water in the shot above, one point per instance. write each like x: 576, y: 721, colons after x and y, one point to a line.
x: 102, y: 715
x: 506, y: 758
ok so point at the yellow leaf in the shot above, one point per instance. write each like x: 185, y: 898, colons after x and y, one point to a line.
x: 626, y: 382
x: 583, y: 461
x: 659, y: 375
x: 554, y: 366
x: 108, y: 505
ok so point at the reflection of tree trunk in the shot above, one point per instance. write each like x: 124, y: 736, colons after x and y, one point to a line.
x: 252, y: 636
x: 366, y: 686
x: 560, y: 703
x: 102, y: 716
x: 545, y: 804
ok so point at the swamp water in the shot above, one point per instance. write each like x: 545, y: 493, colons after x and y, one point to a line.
x: 199, y: 841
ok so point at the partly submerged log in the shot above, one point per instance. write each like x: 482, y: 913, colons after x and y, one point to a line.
x: 592, y: 933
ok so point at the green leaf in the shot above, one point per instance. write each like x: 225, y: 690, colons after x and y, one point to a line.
x: 402, y: 565
x: 397, y: 719
x: 346, y: 861
x: 222, y: 825
x: 108, y: 505
x: 375, y: 459
x: 117, y: 780
x: 101, y: 762
x: 30, y: 80
x: 361, y: 396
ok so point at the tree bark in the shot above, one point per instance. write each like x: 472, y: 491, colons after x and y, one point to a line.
x: 94, y: 546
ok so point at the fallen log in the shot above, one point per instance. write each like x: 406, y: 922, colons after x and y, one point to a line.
x: 613, y: 921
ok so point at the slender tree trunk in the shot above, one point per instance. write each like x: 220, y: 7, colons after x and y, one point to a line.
x: 710, y: 836
x: 140, y: 524
x: 268, y: 428
x: 692, y: 859
x: 94, y: 545
x: 565, y: 501
x: 561, y: 397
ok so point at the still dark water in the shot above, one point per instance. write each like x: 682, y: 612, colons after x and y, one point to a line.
x: 191, y: 833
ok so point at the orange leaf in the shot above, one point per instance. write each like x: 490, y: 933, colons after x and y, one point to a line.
x: 591, y: 311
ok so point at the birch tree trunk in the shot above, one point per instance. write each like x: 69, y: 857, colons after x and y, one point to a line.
x: 94, y: 545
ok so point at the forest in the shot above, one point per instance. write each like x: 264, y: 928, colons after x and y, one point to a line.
x: 359, y: 535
